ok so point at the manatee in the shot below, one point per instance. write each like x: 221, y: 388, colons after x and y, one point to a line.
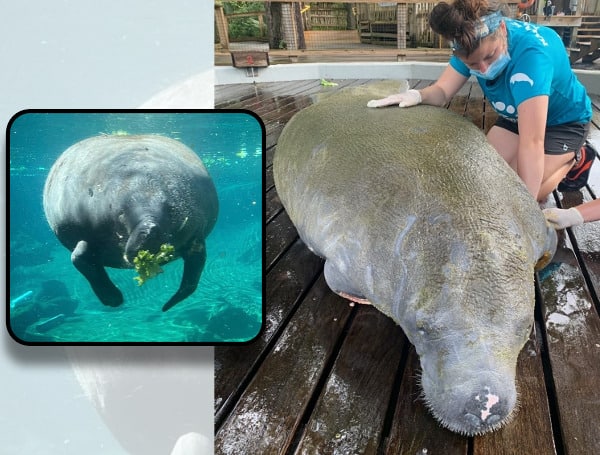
x: 108, y: 197
x: 417, y: 214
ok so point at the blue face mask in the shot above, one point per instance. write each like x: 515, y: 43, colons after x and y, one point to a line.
x: 494, y: 69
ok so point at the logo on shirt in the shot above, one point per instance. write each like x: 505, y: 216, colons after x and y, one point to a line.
x: 520, y: 77
x: 501, y: 107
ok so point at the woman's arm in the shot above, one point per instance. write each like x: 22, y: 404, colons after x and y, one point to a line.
x: 590, y: 211
x: 532, y: 129
x: 442, y: 90
x: 437, y: 94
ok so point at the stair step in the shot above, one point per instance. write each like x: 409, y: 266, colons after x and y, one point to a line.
x: 589, y: 58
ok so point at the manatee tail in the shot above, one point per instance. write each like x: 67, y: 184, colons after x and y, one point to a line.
x: 193, y: 264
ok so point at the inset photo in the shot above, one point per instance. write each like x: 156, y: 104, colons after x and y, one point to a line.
x: 135, y: 227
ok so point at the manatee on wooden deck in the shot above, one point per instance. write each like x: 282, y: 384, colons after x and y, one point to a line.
x: 416, y: 213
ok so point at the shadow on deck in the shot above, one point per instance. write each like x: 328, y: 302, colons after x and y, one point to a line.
x: 327, y: 377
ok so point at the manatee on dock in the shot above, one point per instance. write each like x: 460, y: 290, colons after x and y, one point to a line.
x: 417, y: 214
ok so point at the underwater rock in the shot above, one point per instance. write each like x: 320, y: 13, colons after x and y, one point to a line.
x: 48, y: 308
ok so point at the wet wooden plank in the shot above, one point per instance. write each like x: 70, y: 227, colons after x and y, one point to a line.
x: 273, y: 205
x: 572, y: 329
x: 274, y: 100
x: 474, y: 110
x: 489, y: 116
x: 413, y: 429
x: 458, y: 103
x: 228, y: 96
x: 350, y: 414
x: 286, y: 284
x: 531, y: 429
x: 280, y: 233
x: 250, y: 96
x: 269, y: 179
x: 270, y: 410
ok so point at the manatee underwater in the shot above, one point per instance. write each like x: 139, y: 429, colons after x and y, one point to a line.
x: 417, y: 214
x: 111, y: 199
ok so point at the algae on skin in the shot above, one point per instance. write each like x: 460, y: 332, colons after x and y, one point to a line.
x: 148, y: 264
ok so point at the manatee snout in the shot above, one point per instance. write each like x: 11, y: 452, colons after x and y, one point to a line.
x: 147, y: 235
x: 472, y: 406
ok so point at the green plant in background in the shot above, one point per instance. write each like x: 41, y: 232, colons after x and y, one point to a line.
x: 244, y: 27
x: 243, y: 7
x: 148, y: 264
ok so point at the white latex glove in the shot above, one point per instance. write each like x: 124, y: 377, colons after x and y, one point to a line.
x: 404, y: 99
x: 563, y: 218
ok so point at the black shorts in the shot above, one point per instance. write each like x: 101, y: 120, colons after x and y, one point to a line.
x: 559, y: 139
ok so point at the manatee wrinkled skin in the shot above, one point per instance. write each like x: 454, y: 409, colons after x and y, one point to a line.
x: 110, y: 196
x: 415, y: 212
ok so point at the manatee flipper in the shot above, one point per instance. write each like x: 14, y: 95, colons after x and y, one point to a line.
x: 193, y: 264
x: 104, y: 289
x: 341, y: 285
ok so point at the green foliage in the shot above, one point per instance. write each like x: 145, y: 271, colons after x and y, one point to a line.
x: 244, y: 27
x: 243, y: 7
x: 148, y: 264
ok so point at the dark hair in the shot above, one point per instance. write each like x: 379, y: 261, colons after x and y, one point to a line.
x: 457, y: 22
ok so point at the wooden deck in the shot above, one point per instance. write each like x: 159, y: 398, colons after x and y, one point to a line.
x: 326, y: 377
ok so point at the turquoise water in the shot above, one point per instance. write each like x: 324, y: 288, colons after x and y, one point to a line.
x: 226, y: 307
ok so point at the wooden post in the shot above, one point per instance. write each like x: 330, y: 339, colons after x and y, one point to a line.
x: 222, y: 27
x: 401, y: 16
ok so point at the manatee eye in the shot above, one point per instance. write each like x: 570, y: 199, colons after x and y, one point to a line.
x: 423, y: 328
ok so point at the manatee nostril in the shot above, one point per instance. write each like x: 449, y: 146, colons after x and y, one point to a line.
x: 472, y: 420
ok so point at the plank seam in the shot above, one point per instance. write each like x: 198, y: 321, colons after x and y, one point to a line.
x: 320, y: 386
x: 229, y: 405
x: 551, y: 391
x: 390, y: 412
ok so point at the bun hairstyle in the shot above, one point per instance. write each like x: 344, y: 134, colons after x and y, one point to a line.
x: 460, y: 23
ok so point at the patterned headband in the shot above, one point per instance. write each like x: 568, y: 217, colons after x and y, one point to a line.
x: 486, y: 26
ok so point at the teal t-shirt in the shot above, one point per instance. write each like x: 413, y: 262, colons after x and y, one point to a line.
x: 539, y: 65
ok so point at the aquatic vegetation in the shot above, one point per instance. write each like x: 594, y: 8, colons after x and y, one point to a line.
x: 148, y: 264
x: 326, y: 83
